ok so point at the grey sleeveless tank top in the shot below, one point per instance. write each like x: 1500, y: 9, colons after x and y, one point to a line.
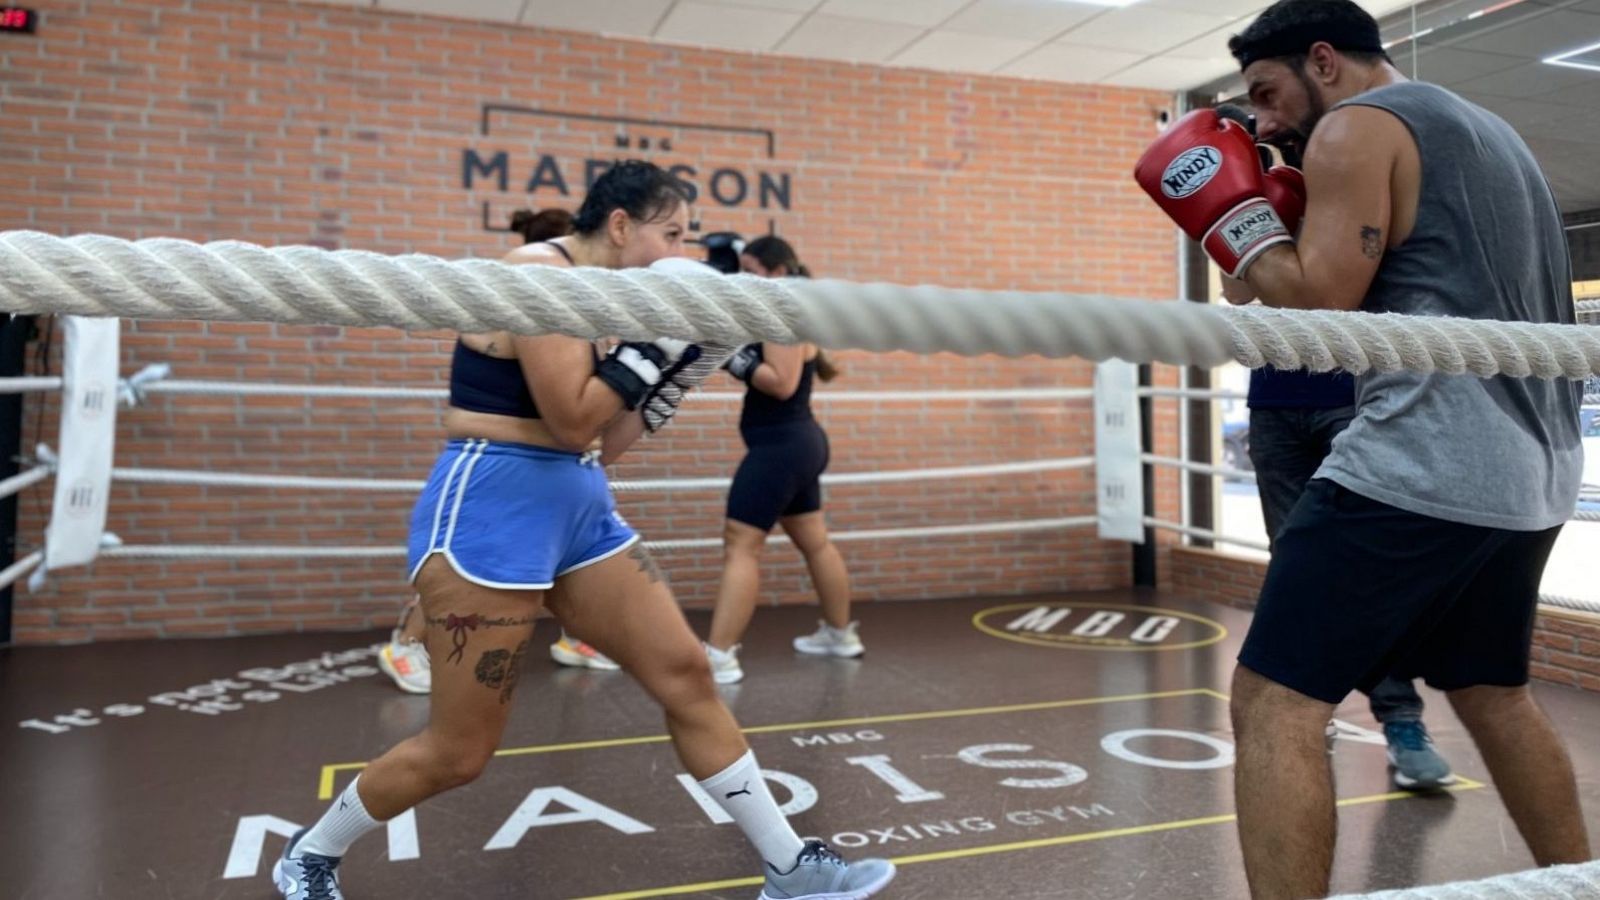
x: 1488, y: 244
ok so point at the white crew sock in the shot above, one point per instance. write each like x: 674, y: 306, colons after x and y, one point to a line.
x: 346, y: 820
x: 742, y: 793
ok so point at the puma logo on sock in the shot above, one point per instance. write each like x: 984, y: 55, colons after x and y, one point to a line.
x: 744, y: 790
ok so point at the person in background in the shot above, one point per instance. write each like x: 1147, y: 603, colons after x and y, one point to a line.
x: 777, y: 484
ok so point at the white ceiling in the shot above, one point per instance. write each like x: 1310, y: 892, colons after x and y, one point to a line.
x: 1163, y: 44
x: 1495, y: 62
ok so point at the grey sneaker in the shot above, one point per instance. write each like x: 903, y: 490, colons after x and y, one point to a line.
x: 830, y: 641
x: 821, y: 874
x: 307, y: 876
x: 1417, y: 766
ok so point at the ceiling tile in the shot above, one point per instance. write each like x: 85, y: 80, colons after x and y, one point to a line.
x: 490, y: 10
x: 1209, y: 46
x: 1169, y: 74
x: 1143, y: 29
x: 1230, y: 8
x: 1071, y: 63
x: 787, y: 5
x: 1026, y: 19
x: 1583, y: 97
x: 1449, y: 65
x: 963, y: 52
x: 632, y: 17
x: 1539, y: 36
x: 726, y: 27
x: 926, y: 13
x: 1527, y: 80
x: 852, y: 40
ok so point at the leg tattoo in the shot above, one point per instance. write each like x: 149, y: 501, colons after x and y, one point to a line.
x: 647, y: 563
x: 500, y: 669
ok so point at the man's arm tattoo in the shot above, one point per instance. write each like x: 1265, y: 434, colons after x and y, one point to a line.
x: 1371, y: 242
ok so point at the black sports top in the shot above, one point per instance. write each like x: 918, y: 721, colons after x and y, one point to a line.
x: 487, y: 384
x: 761, y: 408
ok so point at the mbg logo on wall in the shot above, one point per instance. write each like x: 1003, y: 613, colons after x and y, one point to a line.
x: 1098, y: 626
x: 544, y: 157
x: 1190, y: 172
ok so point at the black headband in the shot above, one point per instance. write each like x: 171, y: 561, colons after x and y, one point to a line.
x: 1297, y: 39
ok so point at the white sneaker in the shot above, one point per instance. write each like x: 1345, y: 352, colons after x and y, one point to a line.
x: 831, y: 641
x: 407, y: 663
x: 725, y: 665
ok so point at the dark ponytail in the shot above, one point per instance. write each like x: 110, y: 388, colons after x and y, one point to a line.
x: 542, y: 225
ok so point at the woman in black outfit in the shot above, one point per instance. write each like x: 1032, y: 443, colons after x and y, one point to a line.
x: 777, y: 484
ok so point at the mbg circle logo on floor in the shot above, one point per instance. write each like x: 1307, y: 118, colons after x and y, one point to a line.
x: 1098, y: 626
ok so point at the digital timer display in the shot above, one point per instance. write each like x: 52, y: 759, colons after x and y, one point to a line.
x: 15, y: 18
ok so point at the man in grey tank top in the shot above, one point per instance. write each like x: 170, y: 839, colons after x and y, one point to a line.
x: 1419, y: 547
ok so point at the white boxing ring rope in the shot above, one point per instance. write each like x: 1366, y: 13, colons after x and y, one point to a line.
x: 260, y: 389
x: 93, y: 275
x: 406, y: 485
x: 273, y: 551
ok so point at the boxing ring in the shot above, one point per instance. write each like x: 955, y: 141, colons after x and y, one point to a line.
x: 101, y: 277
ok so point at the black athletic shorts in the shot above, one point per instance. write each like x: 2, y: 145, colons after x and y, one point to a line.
x: 1358, y: 590
x: 779, y: 474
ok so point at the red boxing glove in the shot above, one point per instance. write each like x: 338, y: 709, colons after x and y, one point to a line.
x: 1204, y: 172
x: 1285, y: 188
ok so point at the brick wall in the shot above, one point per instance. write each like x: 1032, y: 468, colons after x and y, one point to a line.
x: 298, y: 123
x: 1219, y: 577
x: 1566, y: 645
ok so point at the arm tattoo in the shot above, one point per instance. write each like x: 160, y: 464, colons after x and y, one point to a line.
x: 458, y: 626
x: 1371, y: 242
x: 647, y: 564
x: 498, y: 670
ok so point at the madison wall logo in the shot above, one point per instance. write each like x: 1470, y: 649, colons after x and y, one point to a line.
x: 1098, y: 626
x: 542, y: 157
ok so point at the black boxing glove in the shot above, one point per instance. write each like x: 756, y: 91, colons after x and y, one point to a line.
x: 744, y: 362
x: 632, y: 369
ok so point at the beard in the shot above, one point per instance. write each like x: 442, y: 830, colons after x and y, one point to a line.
x: 1291, y: 142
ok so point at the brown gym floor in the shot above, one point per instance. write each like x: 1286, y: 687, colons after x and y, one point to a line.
x: 189, y: 796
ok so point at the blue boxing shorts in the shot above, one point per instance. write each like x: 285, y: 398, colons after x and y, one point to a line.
x: 515, y: 516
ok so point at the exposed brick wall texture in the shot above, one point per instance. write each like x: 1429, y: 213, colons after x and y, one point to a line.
x: 284, y: 123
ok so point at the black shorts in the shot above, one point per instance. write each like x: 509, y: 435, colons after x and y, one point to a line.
x: 779, y: 474
x: 1358, y: 590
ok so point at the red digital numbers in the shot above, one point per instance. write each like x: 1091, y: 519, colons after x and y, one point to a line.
x: 13, y: 18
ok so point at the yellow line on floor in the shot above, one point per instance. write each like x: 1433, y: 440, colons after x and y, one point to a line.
x: 326, y: 784
x: 1465, y: 784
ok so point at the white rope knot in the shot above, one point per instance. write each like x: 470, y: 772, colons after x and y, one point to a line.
x: 95, y: 275
x: 134, y: 389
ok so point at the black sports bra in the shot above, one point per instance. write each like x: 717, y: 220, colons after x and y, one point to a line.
x: 488, y: 384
